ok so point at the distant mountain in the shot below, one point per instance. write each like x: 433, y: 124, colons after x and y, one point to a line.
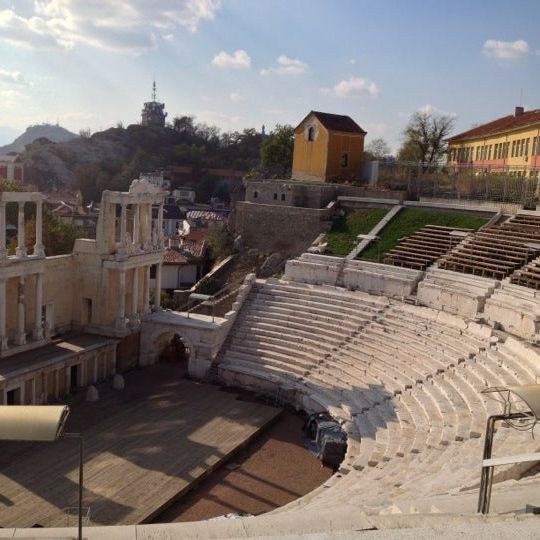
x: 7, y: 134
x: 54, y: 133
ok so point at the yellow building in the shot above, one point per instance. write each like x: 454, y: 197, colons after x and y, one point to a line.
x: 510, y: 143
x: 327, y: 146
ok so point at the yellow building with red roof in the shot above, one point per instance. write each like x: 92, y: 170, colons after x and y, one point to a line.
x: 510, y: 143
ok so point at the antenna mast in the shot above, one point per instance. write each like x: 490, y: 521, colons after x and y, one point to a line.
x: 154, y: 91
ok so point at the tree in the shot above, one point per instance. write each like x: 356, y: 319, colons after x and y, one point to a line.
x: 424, y: 137
x: 58, y: 236
x: 277, y: 149
x: 220, y: 242
x: 378, y: 149
x: 184, y: 124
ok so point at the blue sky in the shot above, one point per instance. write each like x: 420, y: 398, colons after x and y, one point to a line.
x: 244, y: 63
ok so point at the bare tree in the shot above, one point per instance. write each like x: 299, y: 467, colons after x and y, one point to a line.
x: 424, y: 136
x: 378, y: 148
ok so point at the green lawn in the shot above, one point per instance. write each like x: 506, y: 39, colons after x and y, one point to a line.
x: 342, y: 238
x: 409, y: 220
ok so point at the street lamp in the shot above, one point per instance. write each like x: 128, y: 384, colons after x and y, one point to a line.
x: 40, y: 423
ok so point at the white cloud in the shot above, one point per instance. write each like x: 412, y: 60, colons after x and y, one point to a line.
x: 14, y: 77
x: 221, y: 120
x: 505, y: 50
x: 286, y: 66
x: 235, y: 97
x: 431, y: 109
x: 127, y: 26
x: 352, y: 87
x: 351, y: 61
x: 69, y: 116
x: 239, y: 59
x: 376, y: 128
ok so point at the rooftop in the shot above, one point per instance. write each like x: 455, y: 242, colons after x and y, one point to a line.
x: 506, y: 123
x: 336, y: 122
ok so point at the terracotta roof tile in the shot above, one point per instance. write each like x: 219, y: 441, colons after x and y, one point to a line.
x: 506, y: 123
x: 173, y: 256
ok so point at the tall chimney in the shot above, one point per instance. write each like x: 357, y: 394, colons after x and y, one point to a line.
x: 519, y: 111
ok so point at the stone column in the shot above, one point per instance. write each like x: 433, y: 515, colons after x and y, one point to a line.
x: 21, y: 248
x: 38, y: 246
x: 135, y: 294
x: 146, y: 292
x: 3, y: 334
x: 136, y: 227
x: 38, y: 330
x: 160, y: 226
x: 157, y: 294
x: 122, y: 299
x: 123, y: 227
x: 3, y: 250
x: 21, y: 335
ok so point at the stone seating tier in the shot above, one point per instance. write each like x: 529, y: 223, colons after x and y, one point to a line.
x: 450, y: 291
x: 516, y: 310
x: 404, y: 382
x: 355, y: 275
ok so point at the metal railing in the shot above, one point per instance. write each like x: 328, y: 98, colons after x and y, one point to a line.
x: 463, y: 183
x: 204, y: 302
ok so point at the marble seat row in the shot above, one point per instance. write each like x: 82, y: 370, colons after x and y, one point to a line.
x: 355, y: 275
x: 529, y: 275
x: 462, y: 294
x: 405, y: 386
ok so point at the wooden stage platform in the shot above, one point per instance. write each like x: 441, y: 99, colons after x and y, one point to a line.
x: 141, y: 452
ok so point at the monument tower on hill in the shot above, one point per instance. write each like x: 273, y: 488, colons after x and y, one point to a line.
x: 153, y: 113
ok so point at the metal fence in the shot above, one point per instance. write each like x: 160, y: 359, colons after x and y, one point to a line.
x: 462, y: 183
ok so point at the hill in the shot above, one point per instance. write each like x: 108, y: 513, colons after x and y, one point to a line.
x: 111, y: 159
x: 53, y: 133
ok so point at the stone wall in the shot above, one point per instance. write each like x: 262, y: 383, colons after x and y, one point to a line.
x: 280, y: 228
x: 58, y: 289
x: 310, y: 195
x: 203, y: 336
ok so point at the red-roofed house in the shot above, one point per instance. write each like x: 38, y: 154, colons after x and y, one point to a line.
x: 184, y: 263
x: 508, y: 143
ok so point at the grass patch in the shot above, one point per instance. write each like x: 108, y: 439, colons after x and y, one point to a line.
x: 342, y: 238
x: 410, y: 220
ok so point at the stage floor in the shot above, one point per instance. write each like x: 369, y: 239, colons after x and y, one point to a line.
x: 142, y: 451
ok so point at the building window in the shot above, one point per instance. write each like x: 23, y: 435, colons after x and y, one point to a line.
x: 311, y: 134
x: 283, y: 196
x: 275, y: 196
x: 255, y: 194
x: 153, y: 272
x: 344, y: 159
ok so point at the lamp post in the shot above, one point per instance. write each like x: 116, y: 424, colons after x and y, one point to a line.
x: 41, y: 423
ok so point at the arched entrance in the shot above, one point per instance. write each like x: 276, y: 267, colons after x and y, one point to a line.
x: 171, y: 348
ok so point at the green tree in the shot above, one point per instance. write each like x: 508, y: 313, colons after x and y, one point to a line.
x: 220, y: 242
x: 424, y: 136
x: 58, y: 236
x: 277, y: 149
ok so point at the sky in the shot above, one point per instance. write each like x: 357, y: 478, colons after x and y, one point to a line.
x: 244, y: 63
